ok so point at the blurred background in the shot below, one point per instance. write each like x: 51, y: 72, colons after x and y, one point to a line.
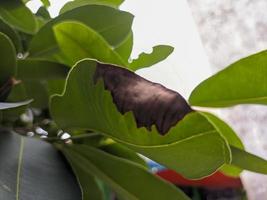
x: 207, y: 35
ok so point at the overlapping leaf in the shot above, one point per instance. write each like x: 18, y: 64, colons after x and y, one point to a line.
x: 7, y: 66
x: 243, y: 82
x: 12, y: 34
x: 78, y: 41
x: 39, y: 70
x: 8, y: 59
x: 15, y: 13
x: 192, y: 142
x: 125, y: 48
x: 114, y: 26
x: 129, y: 180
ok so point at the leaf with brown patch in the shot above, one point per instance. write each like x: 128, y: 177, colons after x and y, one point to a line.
x: 151, y: 103
x: 121, y: 105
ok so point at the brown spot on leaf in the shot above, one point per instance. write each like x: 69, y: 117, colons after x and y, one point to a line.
x: 151, y: 103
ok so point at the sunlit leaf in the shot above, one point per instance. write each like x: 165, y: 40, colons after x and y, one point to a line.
x: 77, y: 41
x: 243, y: 82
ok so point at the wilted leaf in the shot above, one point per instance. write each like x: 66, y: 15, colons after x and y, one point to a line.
x: 189, y: 137
x: 158, y: 54
x: 243, y: 82
x: 32, y: 169
x: 16, y: 14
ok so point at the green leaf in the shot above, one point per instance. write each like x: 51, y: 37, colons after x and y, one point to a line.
x: 243, y: 82
x: 46, y: 3
x: 112, y: 24
x: 87, y: 181
x: 224, y: 129
x: 248, y: 161
x: 77, y: 41
x: 228, y: 133
x: 17, y: 94
x: 16, y: 14
x: 4, y: 106
x: 41, y: 79
x: 32, y: 169
x: 138, y: 184
x: 38, y: 70
x: 191, y: 142
x: 78, y: 3
x: 12, y: 34
x: 8, y: 59
x: 37, y: 91
x: 43, y: 12
x: 125, y: 48
x: 123, y: 152
x: 158, y: 54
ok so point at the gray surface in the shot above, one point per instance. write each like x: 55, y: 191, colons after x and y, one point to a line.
x: 229, y: 31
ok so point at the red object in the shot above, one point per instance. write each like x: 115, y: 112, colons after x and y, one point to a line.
x: 217, y: 180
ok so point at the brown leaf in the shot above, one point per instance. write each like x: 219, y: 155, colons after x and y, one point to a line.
x: 151, y: 103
